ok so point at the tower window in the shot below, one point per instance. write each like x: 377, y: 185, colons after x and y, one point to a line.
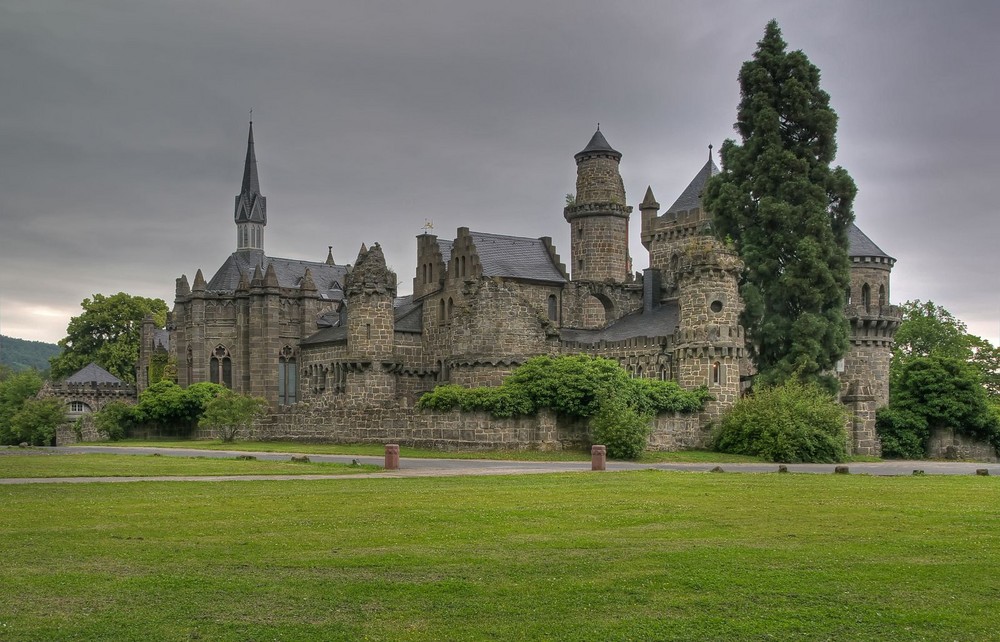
x: 866, y: 297
x: 716, y: 306
x: 881, y: 296
x: 716, y: 373
x: 553, y: 308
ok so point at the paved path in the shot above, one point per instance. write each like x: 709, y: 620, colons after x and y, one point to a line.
x: 420, y: 467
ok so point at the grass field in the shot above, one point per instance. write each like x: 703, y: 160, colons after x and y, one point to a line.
x: 695, y: 456
x: 99, y: 465
x: 612, y: 556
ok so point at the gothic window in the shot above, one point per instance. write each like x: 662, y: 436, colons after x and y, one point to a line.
x: 451, y: 305
x: 461, y: 266
x: 190, y: 366
x: 866, y: 297
x: 424, y: 268
x: 441, y: 311
x: 849, y: 296
x: 287, y: 384
x: 553, y: 308
x: 220, y: 367
x: 716, y: 373
x: 881, y: 296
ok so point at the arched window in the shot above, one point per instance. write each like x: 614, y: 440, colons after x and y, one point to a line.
x: 716, y: 373
x: 866, y: 297
x: 287, y: 375
x: 441, y: 311
x: 78, y: 406
x: 881, y: 296
x: 220, y: 367
x: 451, y: 305
x: 553, y: 308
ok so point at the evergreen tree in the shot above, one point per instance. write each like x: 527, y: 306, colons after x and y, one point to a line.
x: 788, y: 214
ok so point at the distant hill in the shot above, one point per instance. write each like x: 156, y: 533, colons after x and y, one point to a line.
x: 18, y: 354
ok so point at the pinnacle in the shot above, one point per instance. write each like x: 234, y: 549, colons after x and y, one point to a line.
x: 649, y: 201
x: 199, y: 281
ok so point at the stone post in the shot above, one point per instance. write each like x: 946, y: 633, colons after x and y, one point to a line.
x: 392, y: 456
x: 598, y: 457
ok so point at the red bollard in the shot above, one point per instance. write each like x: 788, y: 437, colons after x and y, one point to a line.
x: 392, y: 457
x: 598, y: 457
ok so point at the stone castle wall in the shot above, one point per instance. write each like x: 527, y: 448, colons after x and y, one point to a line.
x: 946, y: 443
x: 346, y: 422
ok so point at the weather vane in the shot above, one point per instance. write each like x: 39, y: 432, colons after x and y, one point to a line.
x: 428, y: 224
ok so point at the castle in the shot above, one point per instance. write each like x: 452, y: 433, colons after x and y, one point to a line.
x: 341, y: 357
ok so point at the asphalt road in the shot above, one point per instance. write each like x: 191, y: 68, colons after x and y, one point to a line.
x: 420, y: 467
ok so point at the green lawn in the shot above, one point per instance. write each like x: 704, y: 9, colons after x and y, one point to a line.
x: 695, y: 456
x: 98, y: 465
x: 643, y: 555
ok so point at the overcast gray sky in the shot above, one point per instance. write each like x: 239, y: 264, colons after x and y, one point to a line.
x: 123, y: 129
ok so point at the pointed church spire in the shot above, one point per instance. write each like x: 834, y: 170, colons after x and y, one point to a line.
x: 649, y: 201
x: 251, y: 185
x: 329, y: 255
x: 251, y: 206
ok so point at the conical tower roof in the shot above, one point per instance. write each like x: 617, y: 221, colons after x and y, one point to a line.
x: 690, y: 198
x: 598, y: 143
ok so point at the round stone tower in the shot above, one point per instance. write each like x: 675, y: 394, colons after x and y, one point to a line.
x: 864, y: 371
x: 598, y: 217
x: 370, y: 289
x: 710, y: 346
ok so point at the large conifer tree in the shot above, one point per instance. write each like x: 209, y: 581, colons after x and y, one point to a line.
x: 788, y: 214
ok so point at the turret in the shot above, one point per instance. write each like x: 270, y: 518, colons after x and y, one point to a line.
x: 251, y: 206
x: 864, y: 370
x: 370, y: 289
x: 598, y: 216
x: 710, y: 346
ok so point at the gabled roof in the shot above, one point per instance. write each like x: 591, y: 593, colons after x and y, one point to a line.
x: 860, y: 245
x: 660, y: 322
x: 93, y: 373
x: 515, y: 257
x: 329, y: 279
x: 690, y: 198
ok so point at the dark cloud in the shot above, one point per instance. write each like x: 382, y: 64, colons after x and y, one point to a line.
x: 122, y: 129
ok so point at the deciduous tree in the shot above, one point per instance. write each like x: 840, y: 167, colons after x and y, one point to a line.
x: 107, y: 333
x: 788, y: 212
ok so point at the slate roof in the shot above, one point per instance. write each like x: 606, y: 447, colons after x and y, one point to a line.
x: 660, y: 322
x: 408, y: 318
x: 511, y: 257
x: 329, y: 279
x: 93, y: 373
x: 598, y: 143
x: 690, y: 198
x: 861, y: 245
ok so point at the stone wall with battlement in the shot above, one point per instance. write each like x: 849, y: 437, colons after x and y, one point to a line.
x: 82, y: 400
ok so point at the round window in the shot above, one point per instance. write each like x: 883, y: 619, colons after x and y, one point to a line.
x: 716, y: 306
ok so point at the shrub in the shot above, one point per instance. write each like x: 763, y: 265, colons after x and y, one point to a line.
x: 114, y: 420
x: 574, y: 386
x: 621, y: 428
x: 793, y: 422
x: 230, y: 412
x: 903, y: 433
x: 169, y: 406
x: 36, y: 421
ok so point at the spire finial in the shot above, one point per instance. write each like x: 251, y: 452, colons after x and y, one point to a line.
x: 251, y: 115
x: 710, y: 151
x: 598, y: 126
